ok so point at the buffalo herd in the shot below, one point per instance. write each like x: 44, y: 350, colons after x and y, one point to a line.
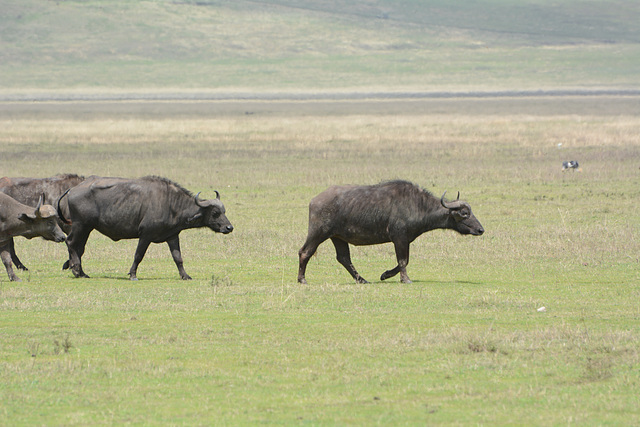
x: 153, y: 209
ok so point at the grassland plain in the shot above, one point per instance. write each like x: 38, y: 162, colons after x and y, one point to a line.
x: 243, y: 343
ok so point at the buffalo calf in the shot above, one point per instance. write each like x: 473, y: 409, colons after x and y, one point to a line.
x: 394, y: 211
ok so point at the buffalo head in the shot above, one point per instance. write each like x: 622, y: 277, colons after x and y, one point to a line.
x: 212, y: 214
x: 462, y: 219
x: 43, y: 222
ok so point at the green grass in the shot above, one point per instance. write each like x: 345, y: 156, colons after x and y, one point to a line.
x: 243, y: 343
x: 286, y: 45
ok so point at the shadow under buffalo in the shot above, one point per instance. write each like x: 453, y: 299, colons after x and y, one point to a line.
x: 413, y: 283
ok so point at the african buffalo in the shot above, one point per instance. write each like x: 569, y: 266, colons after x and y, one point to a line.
x: 394, y: 211
x: 28, y: 190
x: 17, y: 219
x: 152, y: 209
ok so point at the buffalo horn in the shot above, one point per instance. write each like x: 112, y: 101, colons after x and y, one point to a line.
x: 40, y: 200
x: 202, y: 203
x: 205, y: 203
x: 198, y: 202
x: 62, y: 218
x: 444, y: 204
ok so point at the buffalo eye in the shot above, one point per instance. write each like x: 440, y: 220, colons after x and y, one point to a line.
x: 462, y: 214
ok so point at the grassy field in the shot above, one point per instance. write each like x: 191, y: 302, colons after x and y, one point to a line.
x: 243, y: 343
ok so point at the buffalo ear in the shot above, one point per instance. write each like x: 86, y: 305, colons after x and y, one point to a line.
x: 26, y: 218
x: 193, y: 218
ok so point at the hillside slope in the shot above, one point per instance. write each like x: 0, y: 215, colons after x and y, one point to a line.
x: 318, y: 45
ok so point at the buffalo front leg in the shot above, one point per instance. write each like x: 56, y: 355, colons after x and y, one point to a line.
x: 6, y: 260
x: 343, y: 255
x: 76, y: 242
x: 143, y: 245
x: 402, y: 255
x: 16, y: 261
x: 174, y: 247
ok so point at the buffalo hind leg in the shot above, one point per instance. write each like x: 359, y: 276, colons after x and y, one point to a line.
x: 143, y: 245
x: 174, y: 247
x: 6, y: 260
x: 344, y: 257
x: 16, y: 261
x: 402, y: 255
x: 305, y: 253
x: 76, y: 242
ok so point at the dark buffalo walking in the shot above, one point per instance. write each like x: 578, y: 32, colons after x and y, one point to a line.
x: 394, y: 211
x: 151, y: 209
x: 28, y: 190
x: 17, y: 219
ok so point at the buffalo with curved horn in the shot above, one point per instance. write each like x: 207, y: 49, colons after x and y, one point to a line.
x: 151, y: 209
x: 394, y: 211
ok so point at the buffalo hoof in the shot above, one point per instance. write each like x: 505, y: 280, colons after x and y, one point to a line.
x: 302, y: 281
x: 22, y: 267
x: 361, y: 281
x: 80, y: 275
x: 186, y: 277
x: 65, y: 266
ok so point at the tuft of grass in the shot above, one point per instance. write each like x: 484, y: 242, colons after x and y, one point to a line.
x: 598, y: 369
x: 217, y: 281
x: 64, y: 345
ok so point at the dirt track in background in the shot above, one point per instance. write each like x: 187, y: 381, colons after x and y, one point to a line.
x: 154, y: 107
